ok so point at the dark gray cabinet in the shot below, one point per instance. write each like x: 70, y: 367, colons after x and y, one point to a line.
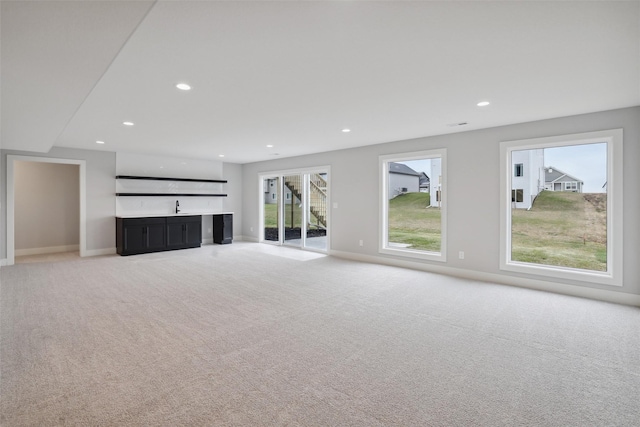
x: 184, y: 232
x: 154, y: 234
x: 140, y: 235
x: 223, y: 229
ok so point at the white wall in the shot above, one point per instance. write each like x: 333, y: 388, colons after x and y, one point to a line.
x: 169, y: 167
x: 474, y: 181
x: 47, y: 207
x: 398, y: 181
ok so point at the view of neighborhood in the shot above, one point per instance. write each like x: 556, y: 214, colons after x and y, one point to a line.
x: 554, y: 220
x: 414, y: 192
x: 558, y: 215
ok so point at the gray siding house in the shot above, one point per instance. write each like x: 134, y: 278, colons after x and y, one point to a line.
x: 402, y: 179
x: 557, y: 180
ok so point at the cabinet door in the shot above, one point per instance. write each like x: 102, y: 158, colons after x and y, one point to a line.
x: 193, y: 233
x: 156, y: 239
x: 134, y: 239
x: 228, y: 227
x: 223, y: 228
x: 175, y: 234
x: 140, y: 235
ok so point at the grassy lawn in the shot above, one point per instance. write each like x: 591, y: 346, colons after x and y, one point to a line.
x: 562, y: 229
x: 412, y: 223
x: 271, y: 216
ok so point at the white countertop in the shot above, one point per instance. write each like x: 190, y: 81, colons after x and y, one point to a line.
x: 142, y: 215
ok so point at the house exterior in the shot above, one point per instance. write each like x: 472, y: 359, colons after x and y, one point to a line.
x: 435, y: 185
x: 271, y: 192
x: 425, y: 182
x: 402, y: 179
x: 557, y: 180
x: 528, y: 177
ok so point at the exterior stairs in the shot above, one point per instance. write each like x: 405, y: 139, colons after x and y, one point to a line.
x: 317, y: 195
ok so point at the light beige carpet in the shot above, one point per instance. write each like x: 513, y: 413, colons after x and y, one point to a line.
x: 253, y: 335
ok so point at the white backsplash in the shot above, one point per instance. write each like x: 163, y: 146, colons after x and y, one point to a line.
x: 167, y: 167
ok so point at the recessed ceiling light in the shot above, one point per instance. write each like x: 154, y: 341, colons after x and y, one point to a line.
x: 346, y: 130
x: 183, y: 86
x: 483, y: 103
x: 269, y: 146
x: 457, y: 124
x: 220, y: 155
x: 99, y: 142
x: 127, y: 123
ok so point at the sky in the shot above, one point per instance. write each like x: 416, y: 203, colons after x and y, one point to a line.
x: 586, y: 162
x: 419, y: 165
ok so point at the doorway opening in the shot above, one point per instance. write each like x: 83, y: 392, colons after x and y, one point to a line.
x: 17, y: 204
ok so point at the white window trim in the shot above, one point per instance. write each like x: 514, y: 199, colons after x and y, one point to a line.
x: 613, y: 275
x: 383, y: 244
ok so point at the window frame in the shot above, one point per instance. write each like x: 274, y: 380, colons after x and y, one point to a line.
x: 383, y: 242
x: 613, y: 275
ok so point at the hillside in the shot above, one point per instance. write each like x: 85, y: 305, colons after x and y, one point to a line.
x: 562, y: 229
x: 413, y: 223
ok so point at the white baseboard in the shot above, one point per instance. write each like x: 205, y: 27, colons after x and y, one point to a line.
x: 98, y: 252
x: 247, y: 239
x: 47, y: 250
x: 539, y: 285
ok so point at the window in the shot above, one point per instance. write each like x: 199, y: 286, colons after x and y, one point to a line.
x: 518, y: 169
x: 413, y: 222
x: 517, y: 195
x: 571, y: 186
x: 569, y: 231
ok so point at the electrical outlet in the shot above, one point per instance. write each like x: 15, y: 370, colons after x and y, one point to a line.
x: 250, y: 228
x: 461, y: 255
x: 361, y: 243
x: 209, y: 230
x: 335, y: 205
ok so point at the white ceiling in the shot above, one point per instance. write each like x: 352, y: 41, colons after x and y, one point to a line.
x: 293, y: 74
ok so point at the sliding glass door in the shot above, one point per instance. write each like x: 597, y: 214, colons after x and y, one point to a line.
x: 295, y: 209
x: 316, y: 209
x: 271, y: 213
x: 292, y: 214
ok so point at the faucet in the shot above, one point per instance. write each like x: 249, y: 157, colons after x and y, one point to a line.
x: 177, y: 206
